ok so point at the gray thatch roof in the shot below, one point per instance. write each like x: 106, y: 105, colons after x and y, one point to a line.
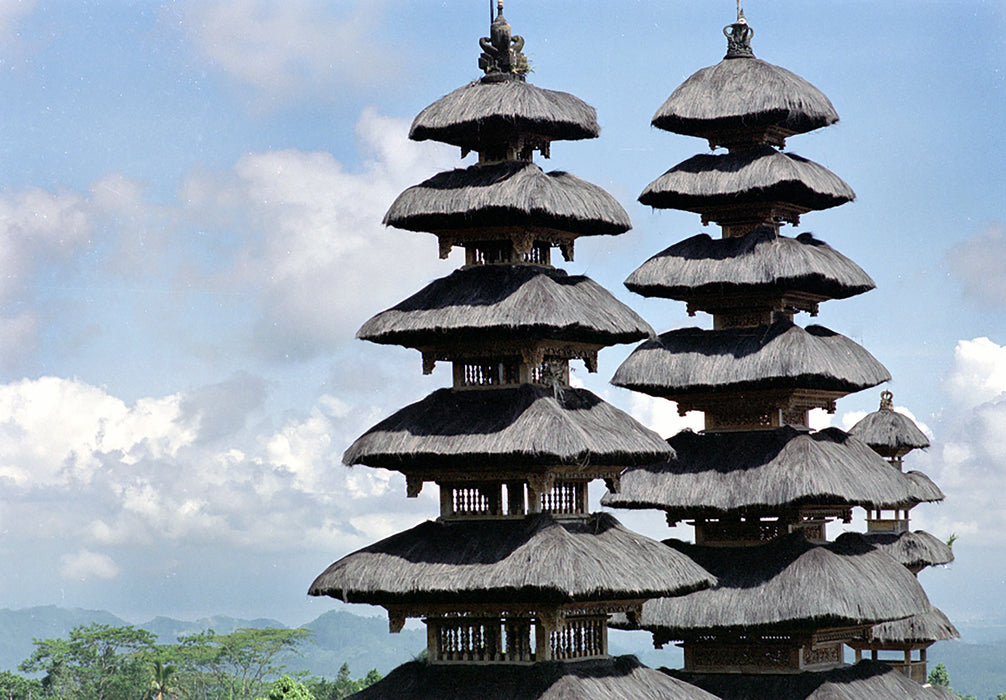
x: 782, y: 355
x: 915, y: 550
x: 515, y: 193
x: 487, y: 111
x: 867, y: 680
x: 744, y: 95
x: 763, y: 471
x: 930, y: 626
x: 787, y: 583
x: 618, y: 678
x: 507, y: 302
x: 751, y: 176
x: 761, y: 260
x: 534, y: 559
x: 529, y: 425
x: 889, y: 432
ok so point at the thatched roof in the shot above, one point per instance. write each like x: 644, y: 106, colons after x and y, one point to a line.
x: 535, y: 559
x: 915, y: 550
x: 761, y: 260
x: 507, y: 302
x: 744, y: 95
x: 515, y: 193
x: 890, y: 433
x: 930, y: 626
x: 618, y: 678
x: 529, y: 425
x: 763, y: 471
x: 488, y: 111
x: 782, y: 355
x: 787, y: 583
x: 870, y: 680
x: 751, y: 176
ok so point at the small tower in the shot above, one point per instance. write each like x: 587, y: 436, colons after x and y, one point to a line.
x: 516, y: 579
x: 756, y: 484
x: 902, y: 643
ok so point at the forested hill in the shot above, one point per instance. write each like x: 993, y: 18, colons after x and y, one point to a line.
x: 362, y: 642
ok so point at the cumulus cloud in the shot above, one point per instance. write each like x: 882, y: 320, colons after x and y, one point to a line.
x: 293, y: 49
x: 85, y: 564
x: 977, y: 265
x: 661, y: 415
x: 313, y: 251
x: 968, y: 456
x: 123, y: 475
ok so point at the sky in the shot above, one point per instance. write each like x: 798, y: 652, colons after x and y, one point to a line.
x: 190, y: 205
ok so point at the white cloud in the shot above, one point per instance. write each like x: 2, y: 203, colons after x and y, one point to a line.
x: 115, y: 475
x: 978, y: 373
x: 977, y: 265
x: 661, y: 415
x: 292, y: 49
x: 86, y: 564
x: 11, y: 14
x: 314, y: 251
x: 968, y: 457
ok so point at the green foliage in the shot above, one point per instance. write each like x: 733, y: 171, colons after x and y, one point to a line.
x: 343, y: 685
x: 97, y: 661
x: 286, y: 688
x: 15, y: 687
x: 939, y: 676
x: 162, y: 685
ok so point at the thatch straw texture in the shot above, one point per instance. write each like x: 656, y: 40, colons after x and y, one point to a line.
x: 752, y: 176
x: 759, y: 261
x: 782, y: 355
x: 535, y: 559
x: 930, y: 626
x: 867, y: 680
x: 529, y: 425
x: 915, y: 550
x: 488, y: 112
x: 889, y: 432
x: 744, y: 94
x: 618, y: 678
x: 508, y: 194
x: 507, y: 302
x: 763, y: 471
x: 925, y: 490
x: 790, y: 584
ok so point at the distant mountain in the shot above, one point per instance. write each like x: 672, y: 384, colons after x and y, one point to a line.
x: 339, y: 637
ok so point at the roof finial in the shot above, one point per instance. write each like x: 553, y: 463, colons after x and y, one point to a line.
x: 501, y: 52
x: 887, y: 400
x: 739, y: 36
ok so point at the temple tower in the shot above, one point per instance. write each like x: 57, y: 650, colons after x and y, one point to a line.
x: 757, y: 485
x: 516, y: 579
x: 902, y: 643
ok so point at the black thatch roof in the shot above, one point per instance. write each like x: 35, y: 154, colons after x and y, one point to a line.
x: 529, y: 425
x: 507, y: 302
x: 744, y: 95
x: 782, y: 355
x: 713, y: 474
x: 535, y: 559
x: 619, y: 678
x: 915, y: 550
x: 928, y: 627
x: 789, y: 583
x: 760, y: 260
x: 751, y: 176
x: 488, y: 112
x: 867, y: 680
x: 515, y: 193
x: 889, y: 432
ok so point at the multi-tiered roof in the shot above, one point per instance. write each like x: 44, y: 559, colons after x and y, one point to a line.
x: 902, y: 643
x: 515, y: 580
x: 757, y: 485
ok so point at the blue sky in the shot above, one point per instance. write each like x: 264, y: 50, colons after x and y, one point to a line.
x: 190, y: 206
